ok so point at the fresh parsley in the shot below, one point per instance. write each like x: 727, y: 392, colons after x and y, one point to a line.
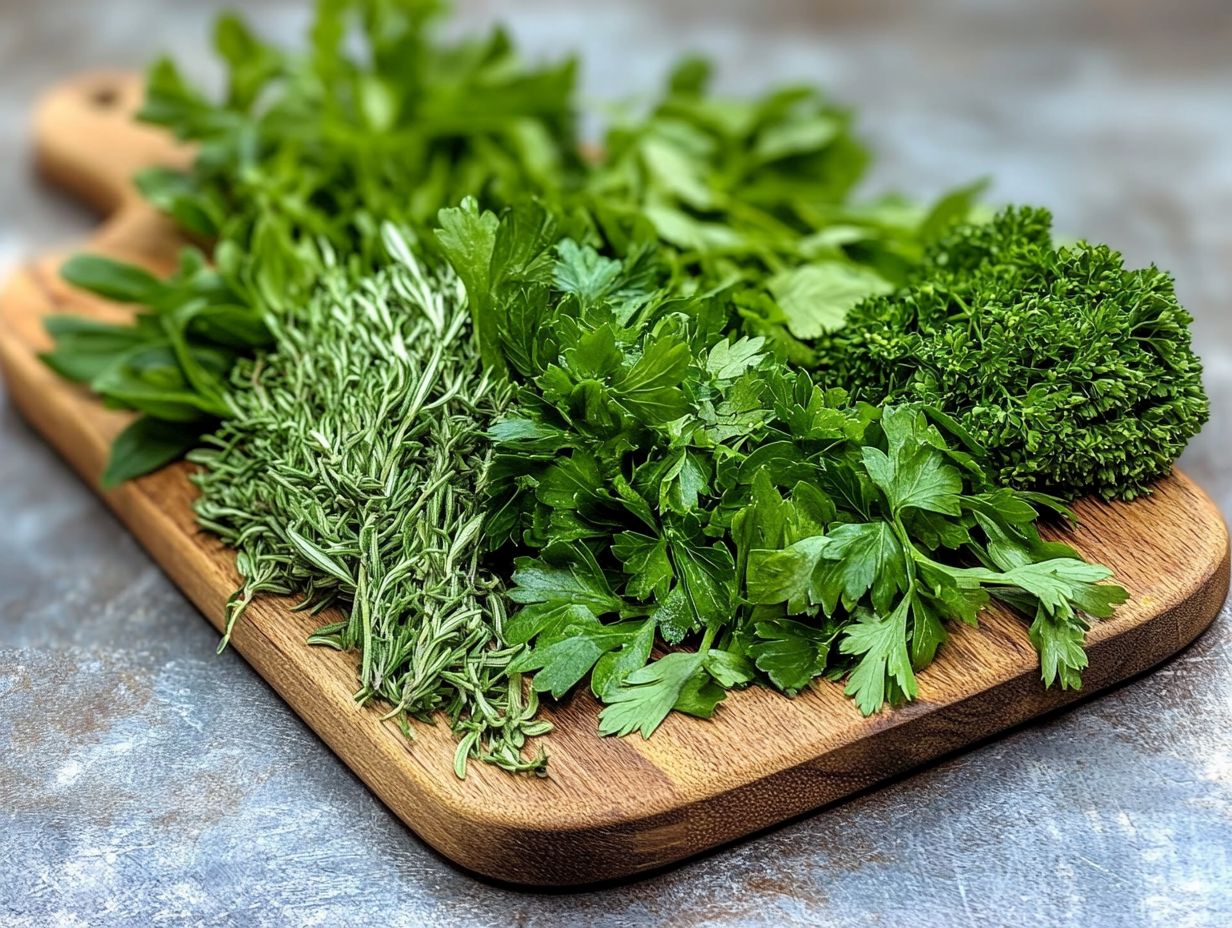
x: 1074, y: 374
x: 677, y: 481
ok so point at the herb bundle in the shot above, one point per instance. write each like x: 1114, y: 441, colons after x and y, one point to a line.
x: 379, y: 120
x: 374, y: 122
x: 350, y: 471
x: 759, y: 194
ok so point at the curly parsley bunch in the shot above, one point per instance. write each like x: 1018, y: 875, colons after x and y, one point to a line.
x: 1074, y: 373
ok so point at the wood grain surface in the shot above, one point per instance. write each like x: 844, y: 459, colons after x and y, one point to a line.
x: 610, y: 807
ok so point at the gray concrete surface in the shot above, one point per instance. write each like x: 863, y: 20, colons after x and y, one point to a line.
x: 146, y: 781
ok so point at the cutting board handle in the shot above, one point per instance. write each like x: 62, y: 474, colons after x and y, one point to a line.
x: 87, y: 142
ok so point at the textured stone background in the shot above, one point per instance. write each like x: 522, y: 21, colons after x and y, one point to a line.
x: 146, y: 781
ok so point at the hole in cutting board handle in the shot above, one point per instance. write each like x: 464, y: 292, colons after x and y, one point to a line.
x: 104, y: 97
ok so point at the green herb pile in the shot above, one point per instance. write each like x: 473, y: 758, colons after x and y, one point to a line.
x: 675, y: 484
x: 304, y: 148
x: 351, y: 471
x: 758, y: 194
x: 1075, y: 373
x: 674, y: 418
x: 378, y: 120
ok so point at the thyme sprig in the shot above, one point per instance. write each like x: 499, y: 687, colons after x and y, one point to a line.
x: 351, y: 470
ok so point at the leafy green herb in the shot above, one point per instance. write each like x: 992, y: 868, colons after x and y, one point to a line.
x: 351, y: 470
x: 759, y: 194
x: 303, y: 157
x: 306, y: 153
x: 673, y: 475
x: 653, y: 402
x: 1074, y: 374
x: 145, y: 445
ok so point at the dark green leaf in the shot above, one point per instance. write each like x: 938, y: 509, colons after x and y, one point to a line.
x: 113, y: 280
x: 145, y: 445
x: 790, y: 653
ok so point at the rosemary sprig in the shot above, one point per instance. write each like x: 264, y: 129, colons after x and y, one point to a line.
x: 351, y: 470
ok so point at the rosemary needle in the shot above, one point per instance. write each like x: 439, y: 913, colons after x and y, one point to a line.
x: 351, y: 471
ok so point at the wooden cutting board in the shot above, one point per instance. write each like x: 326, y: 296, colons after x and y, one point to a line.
x: 610, y: 807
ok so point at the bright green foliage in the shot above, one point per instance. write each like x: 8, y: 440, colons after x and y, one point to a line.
x: 171, y: 364
x: 1074, y: 374
x: 649, y: 409
x: 376, y: 120
x: 674, y: 480
x: 758, y: 193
